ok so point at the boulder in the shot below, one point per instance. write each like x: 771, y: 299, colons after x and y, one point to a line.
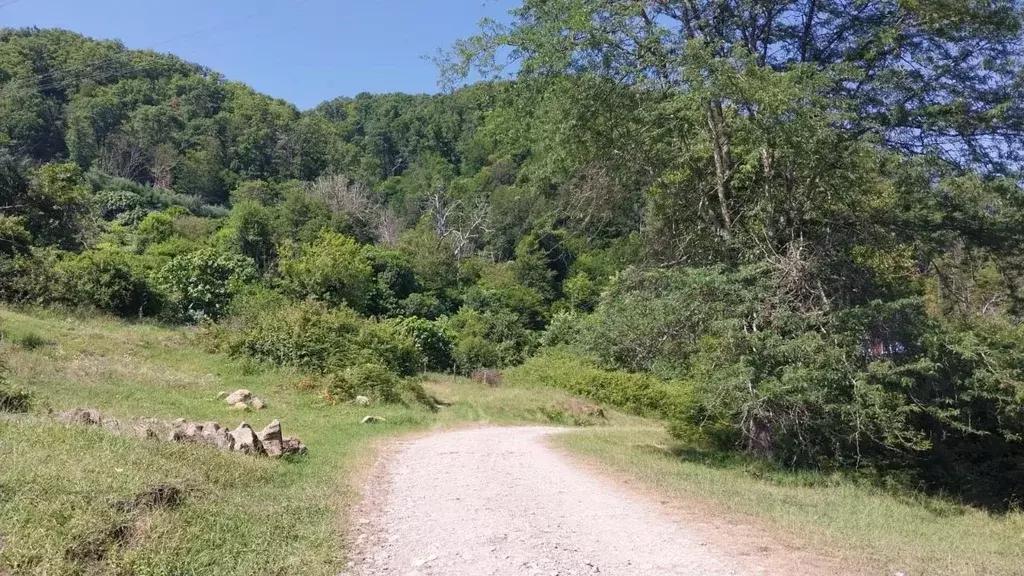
x: 239, y: 406
x: 87, y: 416
x: 373, y: 420
x: 361, y: 401
x: 217, y: 437
x: 258, y: 404
x: 237, y: 396
x: 246, y: 441
x: 270, y: 437
x: 292, y: 445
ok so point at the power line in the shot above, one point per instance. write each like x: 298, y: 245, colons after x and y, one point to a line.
x: 8, y: 3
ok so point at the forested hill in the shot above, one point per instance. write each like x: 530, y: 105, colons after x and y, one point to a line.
x: 789, y: 228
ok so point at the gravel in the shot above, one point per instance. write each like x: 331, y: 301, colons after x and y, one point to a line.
x: 499, y: 501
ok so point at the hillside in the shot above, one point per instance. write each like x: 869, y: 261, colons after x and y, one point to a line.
x: 788, y: 232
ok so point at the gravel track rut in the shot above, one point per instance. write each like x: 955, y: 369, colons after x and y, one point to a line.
x: 501, y: 502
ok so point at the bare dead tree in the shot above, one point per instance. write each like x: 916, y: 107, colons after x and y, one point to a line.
x: 344, y: 195
x: 124, y: 156
x: 165, y: 159
x: 388, y: 227
x: 461, y: 225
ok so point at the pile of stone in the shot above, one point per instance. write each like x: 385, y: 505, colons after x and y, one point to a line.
x: 268, y: 442
x: 243, y: 399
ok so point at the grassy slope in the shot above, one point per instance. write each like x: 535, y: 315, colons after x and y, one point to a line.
x: 248, y: 516
x: 861, y: 524
x: 240, y: 515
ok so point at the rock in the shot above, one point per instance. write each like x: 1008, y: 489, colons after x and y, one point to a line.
x: 237, y: 396
x: 361, y: 401
x: 217, y: 437
x: 87, y: 416
x: 373, y: 420
x: 258, y: 404
x: 239, y: 406
x: 245, y: 440
x: 178, y: 422
x: 271, y: 439
x: 292, y: 445
x: 193, y: 432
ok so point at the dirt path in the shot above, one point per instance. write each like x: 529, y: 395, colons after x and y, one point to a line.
x: 499, y: 501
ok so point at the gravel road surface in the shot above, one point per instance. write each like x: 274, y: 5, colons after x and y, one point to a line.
x: 499, y: 501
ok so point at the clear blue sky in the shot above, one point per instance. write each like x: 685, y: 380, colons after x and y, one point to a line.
x: 305, y: 51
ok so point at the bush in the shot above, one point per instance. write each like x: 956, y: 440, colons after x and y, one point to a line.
x: 111, y: 204
x: 494, y: 339
x: 389, y: 345
x: 332, y: 270
x: 29, y: 278
x: 641, y: 394
x: 371, y: 380
x: 108, y: 280
x: 307, y: 335
x: 155, y: 228
x: 200, y: 285
x: 430, y: 338
x: 314, y: 337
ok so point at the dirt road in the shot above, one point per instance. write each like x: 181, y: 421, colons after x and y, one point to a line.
x: 499, y: 501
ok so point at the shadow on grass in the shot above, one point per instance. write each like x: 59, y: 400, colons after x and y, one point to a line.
x: 778, y: 475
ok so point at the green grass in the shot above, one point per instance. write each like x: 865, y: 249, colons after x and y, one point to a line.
x: 863, y: 525
x: 239, y: 515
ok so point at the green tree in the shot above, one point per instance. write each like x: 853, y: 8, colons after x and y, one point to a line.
x: 332, y: 269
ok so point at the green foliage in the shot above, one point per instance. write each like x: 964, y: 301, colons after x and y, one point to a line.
x: 371, y: 380
x: 431, y: 340
x: 493, y: 339
x: 107, y: 280
x: 200, y: 285
x: 56, y: 206
x: 389, y: 345
x: 639, y: 393
x: 155, y: 228
x: 250, y: 231
x: 314, y: 337
x: 12, y: 398
x: 307, y: 335
x: 14, y: 238
x: 393, y: 281
x: 332, y: 269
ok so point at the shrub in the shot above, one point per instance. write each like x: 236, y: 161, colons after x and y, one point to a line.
x: 393, y: 280
x: 493, y: 339
x: 108, y: 280
x: 14, y: 238
x: 371, y: 380
x: 432, y: 341
x: 386, y: 343
x: 155, y: 228
x: 641, y: 394
x: 307, y: 334
x: 29, y: 278
x: 331, y: 270
x: 112, y: 203
x: 199, y: 285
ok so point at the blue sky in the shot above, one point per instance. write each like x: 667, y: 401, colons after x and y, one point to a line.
x: 305, y: 51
